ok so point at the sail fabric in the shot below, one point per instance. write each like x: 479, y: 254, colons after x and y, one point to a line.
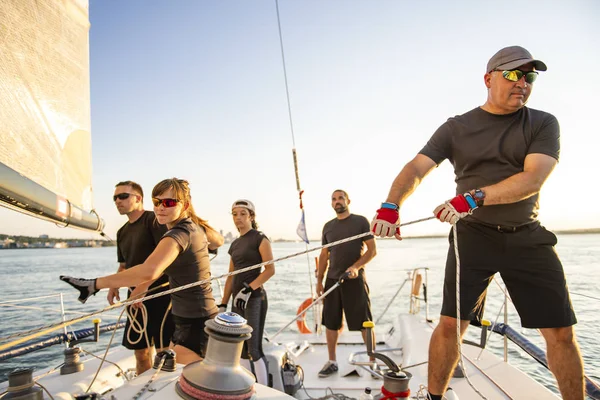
x: 45, y: 95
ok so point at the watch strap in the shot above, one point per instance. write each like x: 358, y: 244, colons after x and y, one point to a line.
x: 390, y: 206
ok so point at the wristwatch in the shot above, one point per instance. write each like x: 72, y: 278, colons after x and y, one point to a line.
x: 479, y: 196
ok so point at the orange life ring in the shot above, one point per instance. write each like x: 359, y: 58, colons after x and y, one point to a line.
x: 301, y: 322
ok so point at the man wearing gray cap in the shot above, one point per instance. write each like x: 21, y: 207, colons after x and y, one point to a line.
x: 502, y: 153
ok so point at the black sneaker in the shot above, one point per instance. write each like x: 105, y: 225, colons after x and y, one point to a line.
x: 328, y: 369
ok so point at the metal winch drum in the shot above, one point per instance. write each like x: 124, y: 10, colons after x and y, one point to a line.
x: 220, y: 375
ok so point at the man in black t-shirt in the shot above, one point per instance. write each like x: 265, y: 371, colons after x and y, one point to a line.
x: 136, y: 240
x: 502, y: 153
x: 352, y: 296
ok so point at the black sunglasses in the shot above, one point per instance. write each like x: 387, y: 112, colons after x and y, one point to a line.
x: 514, y: 75
x: 166, y: 203
x: 123, y: 196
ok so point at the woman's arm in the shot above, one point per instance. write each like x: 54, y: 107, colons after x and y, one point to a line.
x: 163, y: 255
x: 266, y: 254
x: 228, y: 285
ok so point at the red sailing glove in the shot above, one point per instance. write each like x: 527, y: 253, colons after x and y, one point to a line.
x: 454, y: 209
x: 386, y: 221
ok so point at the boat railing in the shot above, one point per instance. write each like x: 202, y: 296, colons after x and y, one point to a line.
x: 416, y: 296
x: 66, y: 337
x: 13, y: 304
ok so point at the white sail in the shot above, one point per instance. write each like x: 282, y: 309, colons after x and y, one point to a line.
x: 45, y: 140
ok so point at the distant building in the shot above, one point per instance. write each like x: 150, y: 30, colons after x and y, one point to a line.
x: 229, y: 237
x: 43, y: 236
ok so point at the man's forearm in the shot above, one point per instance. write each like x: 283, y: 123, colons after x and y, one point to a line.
x: 513, y: 189
x: 405, y: 183
x: 364, y: 259
x: 322, y: 268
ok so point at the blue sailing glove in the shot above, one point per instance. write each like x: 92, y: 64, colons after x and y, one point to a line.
x: 241, y: 299
x: 86, y: 287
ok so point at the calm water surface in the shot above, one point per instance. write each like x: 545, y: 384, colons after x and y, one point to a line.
x: 30, y: 273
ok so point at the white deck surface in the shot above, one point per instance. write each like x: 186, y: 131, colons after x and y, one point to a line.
x: 494, y: 378
x: 490, y: 375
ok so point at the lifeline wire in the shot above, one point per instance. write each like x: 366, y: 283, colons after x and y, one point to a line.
x: 32, y: 333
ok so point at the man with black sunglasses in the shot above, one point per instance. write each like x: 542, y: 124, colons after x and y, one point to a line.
x: 136, y: 240
x: 502, y: 153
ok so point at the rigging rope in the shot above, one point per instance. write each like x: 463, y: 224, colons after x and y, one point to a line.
x: 458, y: 319
x: 36, y: 332
x: 287, y: 91
x: 105, y: 354
x: 147, y: 385
x: 294, y: 153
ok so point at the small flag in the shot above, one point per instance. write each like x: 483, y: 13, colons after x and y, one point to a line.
x: 301, y: 230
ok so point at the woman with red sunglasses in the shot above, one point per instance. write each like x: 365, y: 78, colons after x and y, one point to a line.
x: 181, y: 254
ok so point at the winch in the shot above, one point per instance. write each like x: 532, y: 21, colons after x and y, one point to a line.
x: 220, y: 375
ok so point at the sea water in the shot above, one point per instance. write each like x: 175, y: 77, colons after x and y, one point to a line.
x: 26, y: 273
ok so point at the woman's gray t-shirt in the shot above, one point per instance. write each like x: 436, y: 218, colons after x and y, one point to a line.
x: 191, y: 265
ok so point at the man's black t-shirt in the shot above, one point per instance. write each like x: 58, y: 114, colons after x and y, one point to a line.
x: 487, y: 148
x: 342, y: 256
x: 137, y: 240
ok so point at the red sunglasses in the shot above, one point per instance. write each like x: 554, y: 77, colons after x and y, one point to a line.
x: 166, y: 203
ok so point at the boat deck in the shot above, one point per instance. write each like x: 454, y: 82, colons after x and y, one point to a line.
x: 494, y: 378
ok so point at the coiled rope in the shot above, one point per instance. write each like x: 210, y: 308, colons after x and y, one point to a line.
x: 140, y: 328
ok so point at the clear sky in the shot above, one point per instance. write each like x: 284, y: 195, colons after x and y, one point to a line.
x: 195, y: 89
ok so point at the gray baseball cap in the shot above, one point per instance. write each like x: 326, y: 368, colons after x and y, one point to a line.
x: 247, y: 204
x: 513, y: 57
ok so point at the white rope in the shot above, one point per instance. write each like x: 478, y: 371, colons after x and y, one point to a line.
x: 458, y: 320
x: 135, y: 326
x: 104, y: 356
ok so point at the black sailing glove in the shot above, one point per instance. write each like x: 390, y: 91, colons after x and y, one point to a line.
x: 86, y: 287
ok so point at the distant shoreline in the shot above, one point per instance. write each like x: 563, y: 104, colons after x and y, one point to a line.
x: 280, y: 240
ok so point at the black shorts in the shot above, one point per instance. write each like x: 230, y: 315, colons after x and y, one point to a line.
x: 157, y: 308
x: 351, y: 297
x: 189, y: 333
x: 529, y: 266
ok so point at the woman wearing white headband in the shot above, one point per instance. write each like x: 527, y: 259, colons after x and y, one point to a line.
x: 250, y: 301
